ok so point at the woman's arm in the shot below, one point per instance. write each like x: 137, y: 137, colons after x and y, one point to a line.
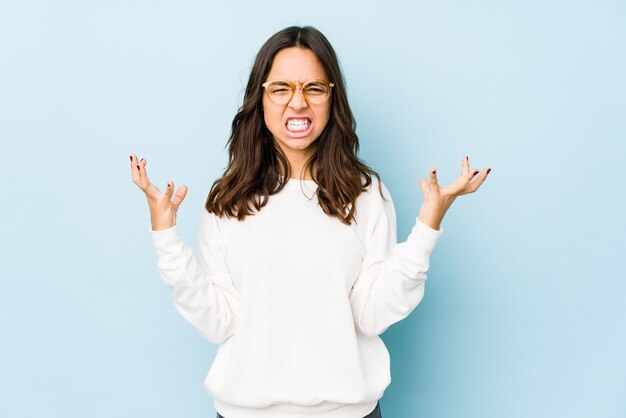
x: 392, y: 278
x: 202, y: 288
x: 391, y: 282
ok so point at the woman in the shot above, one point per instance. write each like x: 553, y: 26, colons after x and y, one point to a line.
x: 296, y: 277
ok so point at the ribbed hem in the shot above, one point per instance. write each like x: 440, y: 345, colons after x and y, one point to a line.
x: 323, y: 410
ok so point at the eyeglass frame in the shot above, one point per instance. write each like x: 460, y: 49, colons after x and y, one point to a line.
x: 294, y: 88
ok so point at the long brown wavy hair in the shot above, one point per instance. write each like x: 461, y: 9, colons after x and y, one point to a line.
x: 256, y: 161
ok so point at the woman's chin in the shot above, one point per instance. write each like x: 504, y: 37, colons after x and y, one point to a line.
x: 297, y: 143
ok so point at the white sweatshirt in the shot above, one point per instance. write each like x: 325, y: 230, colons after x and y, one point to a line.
x: 297, y: 300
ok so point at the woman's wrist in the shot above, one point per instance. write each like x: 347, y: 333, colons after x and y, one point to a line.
x: 159, y: 223
x: 161, y: 227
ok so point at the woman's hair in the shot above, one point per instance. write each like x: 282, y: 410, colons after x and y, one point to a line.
x: 255, y: 159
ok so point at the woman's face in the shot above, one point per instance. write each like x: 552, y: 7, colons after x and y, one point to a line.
x: 296, y: 138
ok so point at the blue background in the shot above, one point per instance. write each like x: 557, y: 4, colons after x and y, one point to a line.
x: 524, y: 309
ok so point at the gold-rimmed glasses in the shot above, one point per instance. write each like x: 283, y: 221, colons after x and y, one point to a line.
x: 281, y: 92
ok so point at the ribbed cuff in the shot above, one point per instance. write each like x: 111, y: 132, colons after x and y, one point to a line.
x: 424, y: 238
x: 166, y: 241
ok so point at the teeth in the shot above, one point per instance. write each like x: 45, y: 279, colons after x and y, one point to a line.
x: 298, y: 124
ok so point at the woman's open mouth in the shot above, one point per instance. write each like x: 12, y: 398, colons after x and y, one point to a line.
x: 298, y: 127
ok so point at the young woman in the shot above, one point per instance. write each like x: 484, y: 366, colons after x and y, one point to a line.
x: 297, y: 270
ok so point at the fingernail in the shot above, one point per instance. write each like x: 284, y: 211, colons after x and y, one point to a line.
x: 141, y: 160
x: 138, y: 168
x: 434, y: 171
x: 131, y: 158
x: 488, y: 171
x: 475, y: 172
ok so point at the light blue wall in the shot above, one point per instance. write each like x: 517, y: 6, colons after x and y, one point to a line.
x: 524, y: 310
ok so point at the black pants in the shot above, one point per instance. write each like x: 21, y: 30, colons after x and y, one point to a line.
x: 374, y: 414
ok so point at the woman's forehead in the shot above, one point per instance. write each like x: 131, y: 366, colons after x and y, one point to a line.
x: 296, y: 64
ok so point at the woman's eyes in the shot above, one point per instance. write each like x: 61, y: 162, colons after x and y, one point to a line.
x: 315, y: 90
x: 311, y: 90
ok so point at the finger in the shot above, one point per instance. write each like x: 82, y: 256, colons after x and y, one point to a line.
x: 465, y: 166
x: 477, y: 181
x: 432, y: 180
x: 134, y: 170
x: 140, y: 167
x: 179, y: 197
x: 425, y: 188
x: 169, y: 191
x: 466, y: 174
x: 133, y: 160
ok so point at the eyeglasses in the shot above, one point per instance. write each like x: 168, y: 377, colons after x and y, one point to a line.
x: 282, y: 91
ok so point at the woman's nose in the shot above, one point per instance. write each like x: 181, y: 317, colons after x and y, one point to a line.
x: 298, y: 101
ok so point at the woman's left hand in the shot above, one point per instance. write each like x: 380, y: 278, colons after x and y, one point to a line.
x: 438, y: 199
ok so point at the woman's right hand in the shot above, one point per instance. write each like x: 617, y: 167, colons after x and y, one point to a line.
x: 162, y: 207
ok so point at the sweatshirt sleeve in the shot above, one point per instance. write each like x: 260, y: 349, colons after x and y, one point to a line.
x: 201, y: 284
x: 391, y: 282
